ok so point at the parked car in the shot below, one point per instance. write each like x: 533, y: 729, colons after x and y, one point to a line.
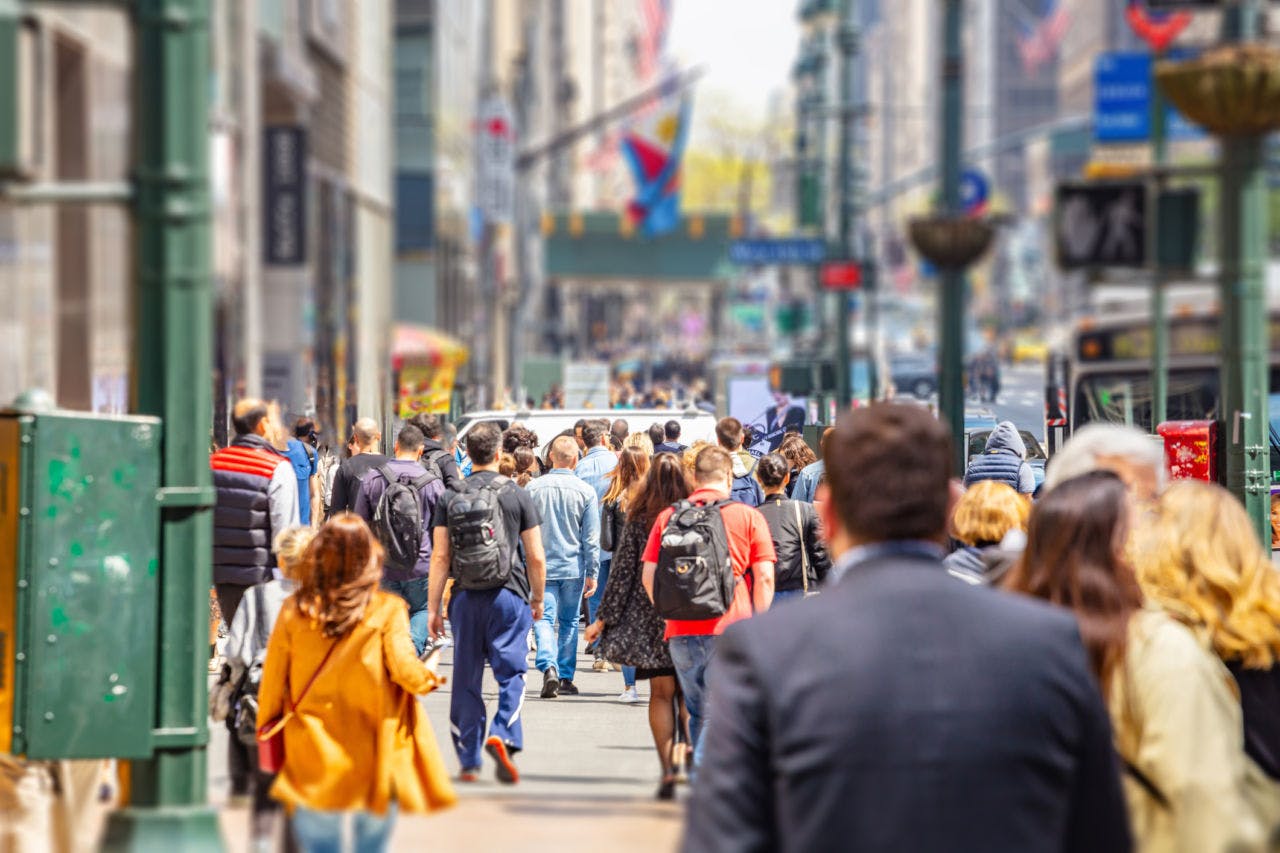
x: 915, y: 374
x: 695, y: 424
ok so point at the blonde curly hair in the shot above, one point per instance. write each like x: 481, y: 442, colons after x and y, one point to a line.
x: 1197, y: 556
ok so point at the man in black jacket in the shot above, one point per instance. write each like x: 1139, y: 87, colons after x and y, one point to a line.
x: 433, y: 450
x: 363, y: 445
x: 900, y: 710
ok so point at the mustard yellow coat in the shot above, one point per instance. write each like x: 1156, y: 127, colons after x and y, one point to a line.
x: 360, y: 740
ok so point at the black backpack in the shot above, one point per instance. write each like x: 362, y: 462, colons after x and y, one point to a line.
x: 431, y: 461
x: 482, y: 557
x: 398, y: 520
x: 694, y: 578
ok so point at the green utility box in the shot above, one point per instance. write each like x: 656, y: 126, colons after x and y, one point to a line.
x: 79, y: 552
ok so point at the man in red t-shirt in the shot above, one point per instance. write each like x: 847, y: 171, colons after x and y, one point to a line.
x: 692, y: 643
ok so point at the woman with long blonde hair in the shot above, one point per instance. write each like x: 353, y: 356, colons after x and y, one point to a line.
x: 1199, y: 559
x: 341, y: 673
x: 1176, y: 724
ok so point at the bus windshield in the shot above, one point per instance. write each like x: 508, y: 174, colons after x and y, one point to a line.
x: 1125, y: 398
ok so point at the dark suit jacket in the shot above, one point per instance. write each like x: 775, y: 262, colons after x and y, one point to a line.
x: 902, y: 710
x: 792, y: 418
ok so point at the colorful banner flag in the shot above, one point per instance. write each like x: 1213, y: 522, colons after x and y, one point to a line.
x: 1039, y: 42
x: 653, y: 150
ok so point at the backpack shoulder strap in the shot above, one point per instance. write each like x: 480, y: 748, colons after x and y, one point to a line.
x: 388, y: 474
x: 421, y: 482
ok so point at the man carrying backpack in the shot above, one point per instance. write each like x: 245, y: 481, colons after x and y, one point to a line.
x: 744, y: 487
x: 397, y: 500
x: 696, y: 566
x: 479, y: 533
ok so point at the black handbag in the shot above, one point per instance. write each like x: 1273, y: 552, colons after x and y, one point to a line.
x: 608, y: 526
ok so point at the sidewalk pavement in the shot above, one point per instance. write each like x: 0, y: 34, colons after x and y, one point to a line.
x: 588, y: 777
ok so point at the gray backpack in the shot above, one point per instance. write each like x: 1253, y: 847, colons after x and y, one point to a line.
x: 398, y: 521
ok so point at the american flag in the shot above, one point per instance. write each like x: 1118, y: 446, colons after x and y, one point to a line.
x: 1038, y: 42
x: 655, y: 18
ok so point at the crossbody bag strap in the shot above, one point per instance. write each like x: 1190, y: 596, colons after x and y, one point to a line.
x: 293, y: 706
x: 804, y: 547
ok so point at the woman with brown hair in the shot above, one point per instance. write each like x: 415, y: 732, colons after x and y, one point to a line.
x: 633, y: 465
x: 341, y: 673
x: 797, y: 452
x: 629, y: 629
x: 1177, y: 724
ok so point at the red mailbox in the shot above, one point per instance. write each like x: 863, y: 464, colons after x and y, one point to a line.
x: 1191, y: 449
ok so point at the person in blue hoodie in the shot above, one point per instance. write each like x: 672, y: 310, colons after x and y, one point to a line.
x: 1004, y: 460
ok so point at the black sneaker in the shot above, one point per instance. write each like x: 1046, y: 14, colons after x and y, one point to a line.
x: 568, y: 688
x: 550, y: 683
x: 506, y: 771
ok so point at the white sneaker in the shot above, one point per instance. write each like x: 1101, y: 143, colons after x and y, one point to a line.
x: 629, y: 696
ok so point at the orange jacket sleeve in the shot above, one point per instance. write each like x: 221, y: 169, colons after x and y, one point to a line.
x: 402, y: 661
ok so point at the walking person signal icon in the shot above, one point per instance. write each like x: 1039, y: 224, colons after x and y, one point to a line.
x: 1101, y: 225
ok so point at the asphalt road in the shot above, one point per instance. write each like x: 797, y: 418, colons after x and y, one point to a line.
x: 1021, y: 398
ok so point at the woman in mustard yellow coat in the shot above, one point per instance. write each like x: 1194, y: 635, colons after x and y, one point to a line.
x: 358, y: 742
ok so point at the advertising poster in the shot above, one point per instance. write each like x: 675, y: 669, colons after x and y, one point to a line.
x: 767, y: 415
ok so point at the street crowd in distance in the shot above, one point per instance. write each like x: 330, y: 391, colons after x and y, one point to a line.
x: 859, y: 651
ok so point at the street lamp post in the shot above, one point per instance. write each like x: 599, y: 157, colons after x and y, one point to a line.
x: 952, y: 279
x: 848, y: 36
x: 1243, y: 237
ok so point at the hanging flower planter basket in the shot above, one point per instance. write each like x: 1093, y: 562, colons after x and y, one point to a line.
x: 950, y: 242
x: 1232, y: 90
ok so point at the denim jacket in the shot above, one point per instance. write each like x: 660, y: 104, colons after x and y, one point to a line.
x: 594, y: 468
x: 570, y: 514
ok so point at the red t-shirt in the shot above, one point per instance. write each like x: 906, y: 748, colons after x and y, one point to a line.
x: 749, y: 543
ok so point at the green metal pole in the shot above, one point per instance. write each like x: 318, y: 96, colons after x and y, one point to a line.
x: 952, y: 301
x: 174, y: 345
x: 848, y: 39
x: 1159, y: 328
x: 1243, y: 235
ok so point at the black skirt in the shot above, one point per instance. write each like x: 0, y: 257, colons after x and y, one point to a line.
x: 644, y: 674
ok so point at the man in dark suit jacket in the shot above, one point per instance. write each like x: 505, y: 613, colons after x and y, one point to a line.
x: 780, y: 418
x: 903, y: 709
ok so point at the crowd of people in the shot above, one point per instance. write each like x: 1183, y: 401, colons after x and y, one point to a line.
x: 1094, y: 668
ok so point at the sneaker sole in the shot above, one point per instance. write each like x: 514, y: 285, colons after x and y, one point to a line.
x: 506, y: 770
x: 469, y: 776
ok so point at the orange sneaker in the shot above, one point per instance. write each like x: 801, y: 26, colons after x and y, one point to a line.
x: 506, y: 771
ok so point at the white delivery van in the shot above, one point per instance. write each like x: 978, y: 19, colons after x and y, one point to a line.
x: 695, y: 424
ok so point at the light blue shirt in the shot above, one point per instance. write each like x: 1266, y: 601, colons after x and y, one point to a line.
x: 570, y: 514
x: 876, y: 550
x: 807, y: 482
x: 593, y: 469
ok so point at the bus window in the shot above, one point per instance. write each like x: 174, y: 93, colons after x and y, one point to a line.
x: 1125, y: 398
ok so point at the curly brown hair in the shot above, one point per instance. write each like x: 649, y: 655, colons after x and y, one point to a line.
x: 338, y: 574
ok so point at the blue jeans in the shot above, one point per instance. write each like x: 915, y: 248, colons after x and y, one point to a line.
x: 593, y: 603
x: 786, y: 594
x: 489, y: 626
x: 557, y: 631
x: 414, y: 591
x: 691, y: 656
x: 321, y: 832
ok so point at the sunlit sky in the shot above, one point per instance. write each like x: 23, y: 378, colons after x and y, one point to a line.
x: 748, y: 47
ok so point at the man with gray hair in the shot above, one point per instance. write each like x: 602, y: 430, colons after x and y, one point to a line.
x: 363, y: 447
x: 1134, y: 456
x: 570, y: 512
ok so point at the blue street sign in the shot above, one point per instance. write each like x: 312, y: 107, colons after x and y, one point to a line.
x: 1122, y: 101
x: 786, y: 250
x: 975, y: 191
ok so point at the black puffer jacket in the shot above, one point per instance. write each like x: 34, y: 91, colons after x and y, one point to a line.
x: 790, y: 541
